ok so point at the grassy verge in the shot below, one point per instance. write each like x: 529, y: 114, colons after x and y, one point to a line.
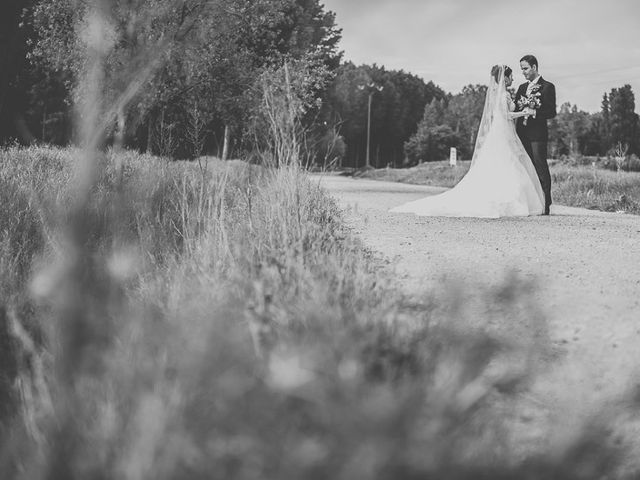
x: 575, y: 186
x: 216, y: 320
x: 589, y: 187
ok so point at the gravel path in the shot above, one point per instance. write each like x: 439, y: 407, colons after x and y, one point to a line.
x: 586, y: 265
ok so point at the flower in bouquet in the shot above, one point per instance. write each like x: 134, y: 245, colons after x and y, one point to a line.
x: 530, y: 101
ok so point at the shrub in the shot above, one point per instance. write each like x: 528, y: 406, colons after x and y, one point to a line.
x: 629, y: 163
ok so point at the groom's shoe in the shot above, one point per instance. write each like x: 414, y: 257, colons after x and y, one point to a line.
x: 546, y: 210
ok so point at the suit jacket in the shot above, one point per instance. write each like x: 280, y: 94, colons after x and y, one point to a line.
x: 536, y: 129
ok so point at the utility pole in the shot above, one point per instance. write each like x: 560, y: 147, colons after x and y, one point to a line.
x: 371, y: 88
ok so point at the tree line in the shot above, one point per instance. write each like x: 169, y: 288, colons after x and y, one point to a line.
x: 204, y: 66
x: 453, y: 121
x: 614, y: 130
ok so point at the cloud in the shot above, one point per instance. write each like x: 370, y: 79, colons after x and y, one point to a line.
x: 590, y: 46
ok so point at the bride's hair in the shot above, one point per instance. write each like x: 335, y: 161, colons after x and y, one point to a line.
x: 495, y: 71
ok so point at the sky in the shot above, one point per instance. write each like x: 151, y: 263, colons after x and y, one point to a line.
x: 584, y: 47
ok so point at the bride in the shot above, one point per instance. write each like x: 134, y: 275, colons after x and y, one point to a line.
x: 502, y: 180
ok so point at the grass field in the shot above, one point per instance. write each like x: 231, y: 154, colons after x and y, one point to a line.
x: 571, y: 185
x: 217, y: 320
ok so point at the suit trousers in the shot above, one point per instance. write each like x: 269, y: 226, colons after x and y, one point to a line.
x: 538, y: 153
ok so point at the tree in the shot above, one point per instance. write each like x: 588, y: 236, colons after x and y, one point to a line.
x: 14, y: 72
x: 431, y: 143
x: 255, y: 36
x: 344, y: 107
x: 593, y: 140
x: 624, y: 124
x: 460, y: 113
x: 463, y: 115
x: 395, y: 111
x: 434, y: 137
x: 569, y: 131
x: 198, y: 58
x: 288, y: 93
x: 136, y: 37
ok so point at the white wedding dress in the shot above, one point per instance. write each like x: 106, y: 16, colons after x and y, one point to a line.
x: 501, y: 182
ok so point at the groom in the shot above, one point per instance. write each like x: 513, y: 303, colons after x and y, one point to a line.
x: 539, y: 96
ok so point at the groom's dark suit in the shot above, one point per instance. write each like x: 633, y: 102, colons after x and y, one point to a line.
x: 535, y: 134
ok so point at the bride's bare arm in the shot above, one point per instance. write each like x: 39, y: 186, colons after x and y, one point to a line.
x: 524, y: 113
x: 511, y: 107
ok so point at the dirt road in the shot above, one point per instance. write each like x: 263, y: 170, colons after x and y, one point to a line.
x: 586, y: 263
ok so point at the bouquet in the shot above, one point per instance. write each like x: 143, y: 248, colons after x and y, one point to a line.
x: 531, y: 101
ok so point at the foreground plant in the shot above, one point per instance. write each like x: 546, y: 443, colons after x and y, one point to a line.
x: 218, y: 320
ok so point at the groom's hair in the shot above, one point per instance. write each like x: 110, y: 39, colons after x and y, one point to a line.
x: 530, y: 59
